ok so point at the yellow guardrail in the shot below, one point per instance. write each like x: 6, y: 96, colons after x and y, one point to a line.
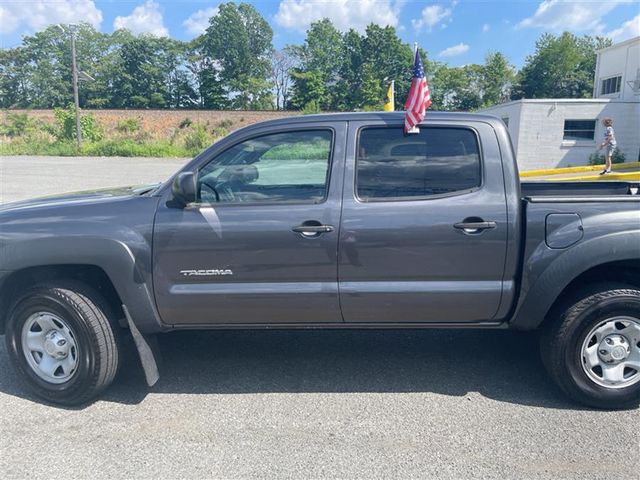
x: 584, y: 168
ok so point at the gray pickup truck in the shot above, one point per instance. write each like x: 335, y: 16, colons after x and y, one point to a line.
x: 329, y: 221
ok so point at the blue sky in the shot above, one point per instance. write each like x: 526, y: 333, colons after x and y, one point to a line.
x: 458, y: 32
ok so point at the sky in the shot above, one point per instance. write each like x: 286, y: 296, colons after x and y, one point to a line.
x: 458, y: 32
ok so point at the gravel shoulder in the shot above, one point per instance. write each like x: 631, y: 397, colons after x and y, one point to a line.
x: 23, y: 177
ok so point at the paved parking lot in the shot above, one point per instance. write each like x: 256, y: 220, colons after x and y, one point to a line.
x: 308, y: 404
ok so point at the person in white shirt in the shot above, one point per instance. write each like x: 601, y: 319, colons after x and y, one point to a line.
x: 609, y: 144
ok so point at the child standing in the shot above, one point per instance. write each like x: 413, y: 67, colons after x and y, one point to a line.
x: 609, y: 144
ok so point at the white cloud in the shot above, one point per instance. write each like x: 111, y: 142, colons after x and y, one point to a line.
x: 431, y: 16
x: 559, y: 15
x: 145, y: 18
x: 486, y: 27
x: 455, y: 50
x: 38, y: 14
x: 627, y: 30
x: 198, y: 22
x: 345, y: 14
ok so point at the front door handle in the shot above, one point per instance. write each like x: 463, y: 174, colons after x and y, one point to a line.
x: 474, y: 226
x: 312, y: 229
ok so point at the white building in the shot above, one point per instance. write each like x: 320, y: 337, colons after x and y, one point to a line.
x: 550, y: 133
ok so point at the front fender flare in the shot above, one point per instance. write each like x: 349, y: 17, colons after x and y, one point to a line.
x: 127, y: 267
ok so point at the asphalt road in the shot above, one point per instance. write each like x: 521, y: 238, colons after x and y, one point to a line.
x: 308, y: 404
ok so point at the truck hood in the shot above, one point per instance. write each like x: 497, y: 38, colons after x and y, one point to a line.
x: 84, y: 197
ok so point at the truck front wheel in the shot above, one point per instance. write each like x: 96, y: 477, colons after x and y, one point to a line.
x: 593, y: 350
x: 62, y: 343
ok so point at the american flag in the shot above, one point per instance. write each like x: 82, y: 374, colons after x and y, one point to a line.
x: 419, y: 97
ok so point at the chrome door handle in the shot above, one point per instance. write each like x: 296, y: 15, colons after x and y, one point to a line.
x: 474, y: 227
x: 312, y: 230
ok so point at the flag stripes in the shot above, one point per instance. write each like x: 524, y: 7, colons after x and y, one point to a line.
x: 419, y: 98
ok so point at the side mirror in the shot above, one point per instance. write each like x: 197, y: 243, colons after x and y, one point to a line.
x: 184, y: 189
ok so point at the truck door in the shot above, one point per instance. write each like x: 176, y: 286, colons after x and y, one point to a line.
x: 423, y: 236
x: 260, y: 245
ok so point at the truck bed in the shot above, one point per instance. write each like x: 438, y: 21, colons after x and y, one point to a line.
x: 531, y: 190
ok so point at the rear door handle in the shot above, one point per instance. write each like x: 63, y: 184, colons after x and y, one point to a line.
x: 474, y: 227
x: 312, y: 229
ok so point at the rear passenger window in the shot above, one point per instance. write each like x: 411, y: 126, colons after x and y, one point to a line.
x: 437, y: 161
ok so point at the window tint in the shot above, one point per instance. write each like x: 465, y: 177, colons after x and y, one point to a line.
x: 435, y: 161
x: 579, y: 129
x: 280, y: 167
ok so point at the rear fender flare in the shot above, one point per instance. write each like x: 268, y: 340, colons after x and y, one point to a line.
x: 536, y: 301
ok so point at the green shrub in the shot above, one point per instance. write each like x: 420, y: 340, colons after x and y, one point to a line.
x: 197, y: 139
x: 49, y: 128
x: 89, y: 126
x: 311, y: 108
x: 129, y: 125
x: 187, y: 122
x: 17, y: 124
x: 131, y: 148
x: 31, y: 146
x: 225, y: 124
x: 598, y: 158
x: 219, y: 132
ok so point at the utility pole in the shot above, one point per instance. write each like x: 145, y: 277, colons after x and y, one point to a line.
x: 74, y: 73
x: 76, y: 97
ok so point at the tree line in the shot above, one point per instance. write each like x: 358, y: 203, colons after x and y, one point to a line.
x: 233, y: 65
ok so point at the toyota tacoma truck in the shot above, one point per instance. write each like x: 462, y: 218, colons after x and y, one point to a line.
x: 328, y: 221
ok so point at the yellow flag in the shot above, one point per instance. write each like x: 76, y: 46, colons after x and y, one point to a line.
x: 389, y: 101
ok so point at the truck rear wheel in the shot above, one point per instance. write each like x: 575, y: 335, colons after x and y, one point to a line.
x: 593, y: 350
x: 62, y: 343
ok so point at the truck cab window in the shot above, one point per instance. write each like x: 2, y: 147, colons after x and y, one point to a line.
x: 437, y: 161
x: 278, y: 167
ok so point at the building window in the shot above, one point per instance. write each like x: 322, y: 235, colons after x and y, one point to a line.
x: 611, y: 85
x: 579, y: 129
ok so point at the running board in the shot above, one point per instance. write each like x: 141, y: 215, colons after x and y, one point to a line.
x: 146, y: 345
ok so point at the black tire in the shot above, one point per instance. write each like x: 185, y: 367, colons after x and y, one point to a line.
x: 97, y: 340
x: 563, y: 337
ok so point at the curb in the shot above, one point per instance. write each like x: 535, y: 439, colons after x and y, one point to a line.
x: 631, y: 176
x: 585, y: 168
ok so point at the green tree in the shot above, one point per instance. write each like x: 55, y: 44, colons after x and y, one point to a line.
x: 321, y: 58
x: 389, y: 59
x: 354, y: 69
x: 561, y: 66
x: 14, y: 87
x: 141, y: 73
x: 237, y: 46
x: 497, y: 79
x: 457, y: 88
x: 308, y: 89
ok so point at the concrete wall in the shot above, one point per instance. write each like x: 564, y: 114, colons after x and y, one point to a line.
x: 621, y: 59
x: 537, y: 130
x: 510, y: 113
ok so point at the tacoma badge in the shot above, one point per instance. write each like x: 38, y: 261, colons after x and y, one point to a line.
x: 205, y: 273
